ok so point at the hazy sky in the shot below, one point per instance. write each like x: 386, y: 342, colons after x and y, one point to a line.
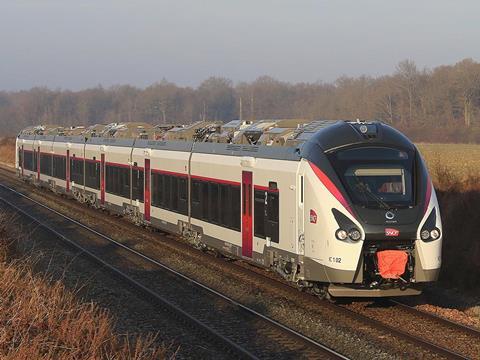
x: 82, y: 43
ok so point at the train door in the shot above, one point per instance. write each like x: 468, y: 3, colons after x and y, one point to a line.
x: 102, y: 179
x: 247, y: 233
x: 38, y: 163
x: 23, y: 160
x: 301, y: 215
x: 147, y: 190
x: 67, y: 172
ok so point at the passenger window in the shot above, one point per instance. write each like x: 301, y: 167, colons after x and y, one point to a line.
x: 183, y: 189
x: 224, y: 204
x: 174, y: 193
x: 214, y: 203
x: 272, y: 217
x: 236, y: 203
x: 259, y: 213
x: 272, y: 208
x: 204, y: 194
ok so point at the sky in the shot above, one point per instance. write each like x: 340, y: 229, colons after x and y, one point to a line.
x: 76, y: 44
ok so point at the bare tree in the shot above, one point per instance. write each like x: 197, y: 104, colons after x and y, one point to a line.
x: 408, y: 79
x: 468, y: 82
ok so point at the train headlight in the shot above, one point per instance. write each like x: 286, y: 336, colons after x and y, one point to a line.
x: 425, y: 235
x: 341, y: 234
x: 354, y: 234
x: 435, y: 234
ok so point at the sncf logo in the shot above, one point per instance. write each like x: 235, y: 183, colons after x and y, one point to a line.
x: 313, y: 216
x: 391, y: 232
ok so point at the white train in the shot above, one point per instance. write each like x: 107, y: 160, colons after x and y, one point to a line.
x: 340, y: 208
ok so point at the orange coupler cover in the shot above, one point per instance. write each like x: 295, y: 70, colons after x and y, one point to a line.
x: 391, y: 263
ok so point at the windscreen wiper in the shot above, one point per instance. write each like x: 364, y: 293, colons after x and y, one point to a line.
x: 366, y: 190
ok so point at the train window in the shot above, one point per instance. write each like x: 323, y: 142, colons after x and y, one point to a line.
x: 225, y: 203
x: 46, y: 164
x: 118, y: 181
x: 76, y: 171
x: 154, y: 192
x: 35, y: 160
x: 235, y: 206
x: 213, y: 197
x: 183, y: 189
x: 161, y: 190
x: 183, y: 194
x: 167, y: 181
x: 137, y: 185
x: 372, y: 153
x: 126, y: 182
x: 109, y: 178
x: 272, y: 206
x: 216, y: 203
x: 92, y: 175
x: 272, y: 218
x: 195, y: 191
x: 174, y: 193
x: 196, y: 206
x: 204, y: 202
x: 28, y: 160
x: 59, y: 167
x: 19, y: 156
x: 157, y: 190
x: 377, y: 177
x: 259, y: 213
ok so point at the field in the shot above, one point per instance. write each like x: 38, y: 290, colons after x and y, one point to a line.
x: 459, y: 163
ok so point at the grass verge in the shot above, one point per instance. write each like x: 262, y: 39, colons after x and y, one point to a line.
x: 459, y: 201
x: 7, y: 150
x: 41, y: 319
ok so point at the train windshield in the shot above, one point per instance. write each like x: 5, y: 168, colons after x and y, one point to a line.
x: 376, y: 177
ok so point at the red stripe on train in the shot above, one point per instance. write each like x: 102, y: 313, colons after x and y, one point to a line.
x: 428, y: 195
x: 331, y: 187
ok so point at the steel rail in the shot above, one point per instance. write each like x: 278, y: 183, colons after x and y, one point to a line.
x: 444, y: 321
x: 158, y: 297
x: 403, y: 334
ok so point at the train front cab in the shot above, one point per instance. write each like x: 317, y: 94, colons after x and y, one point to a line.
x: 363, y: 210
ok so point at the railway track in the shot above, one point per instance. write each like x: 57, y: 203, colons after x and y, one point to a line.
x: 245, y: 332
x: 435, y: 318
x: 437, y: 345
x: 461, y: 334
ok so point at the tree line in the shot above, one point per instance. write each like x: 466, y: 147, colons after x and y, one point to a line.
x: 439, y: 104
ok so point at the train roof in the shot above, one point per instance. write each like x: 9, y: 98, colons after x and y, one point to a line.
x: 296, y: 137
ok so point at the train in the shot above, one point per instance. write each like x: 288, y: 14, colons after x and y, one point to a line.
x: 339, y: 208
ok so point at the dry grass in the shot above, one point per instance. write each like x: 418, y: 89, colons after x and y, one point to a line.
x: 455, y: 172
x: 7, y: 150
x: 452, y: 164
x: 40, y: 319
x: 459, y: 199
